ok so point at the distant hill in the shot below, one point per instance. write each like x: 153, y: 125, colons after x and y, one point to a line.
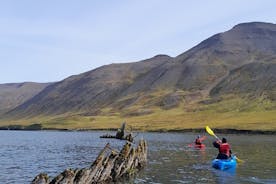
x: 89, y: 91
x: 14, y: 94
x: 239, y: 62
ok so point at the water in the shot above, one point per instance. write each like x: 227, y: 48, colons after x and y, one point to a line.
x: 172, y: 161
x: 24, y: 154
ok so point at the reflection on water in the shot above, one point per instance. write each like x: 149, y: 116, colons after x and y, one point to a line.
x: 24, y: 154
x: 228, y: 176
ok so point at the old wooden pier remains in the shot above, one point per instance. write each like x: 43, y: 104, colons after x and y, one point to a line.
x: 109, y: 166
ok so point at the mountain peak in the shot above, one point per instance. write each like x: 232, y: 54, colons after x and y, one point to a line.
x: 162, y: 56
x: 252, y: 25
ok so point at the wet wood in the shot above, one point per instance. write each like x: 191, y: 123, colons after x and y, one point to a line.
x: 109, y: 166
x: 120, y: 134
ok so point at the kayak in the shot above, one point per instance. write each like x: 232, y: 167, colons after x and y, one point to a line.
x: 223, y: 164
x: 199, y: 146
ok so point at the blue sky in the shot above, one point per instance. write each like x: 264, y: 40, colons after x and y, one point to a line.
x: 45, y: 41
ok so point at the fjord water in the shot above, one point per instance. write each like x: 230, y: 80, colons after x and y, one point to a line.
x: 24, y: 154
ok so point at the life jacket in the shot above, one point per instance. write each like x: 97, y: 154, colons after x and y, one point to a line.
x: 198, y: 141
x: 224, y: 148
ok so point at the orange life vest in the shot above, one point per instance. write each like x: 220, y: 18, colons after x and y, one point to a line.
x: 224, y: 148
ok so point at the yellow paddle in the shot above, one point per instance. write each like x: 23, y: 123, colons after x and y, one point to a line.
x: 210, y: 131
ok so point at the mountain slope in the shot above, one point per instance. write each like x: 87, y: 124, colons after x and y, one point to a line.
x: 14, y: 94
x: 257, y: 78
x: 87, y: 92
x: 223, y: 64
x: 216, y: 56
x: 212, y: 59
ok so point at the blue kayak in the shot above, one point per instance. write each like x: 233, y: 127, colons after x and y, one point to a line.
x: 222, y: 164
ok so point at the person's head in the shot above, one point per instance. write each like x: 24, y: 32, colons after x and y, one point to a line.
x: 198, y: 136
x: 224, y: 140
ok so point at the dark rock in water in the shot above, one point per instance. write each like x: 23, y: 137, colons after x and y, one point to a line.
x: 109, y: 166
x: 120, y: 134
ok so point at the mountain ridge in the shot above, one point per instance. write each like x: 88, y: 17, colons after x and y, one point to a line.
x: 224, y: 64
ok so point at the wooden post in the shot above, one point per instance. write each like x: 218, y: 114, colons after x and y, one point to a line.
x: 108, y: 166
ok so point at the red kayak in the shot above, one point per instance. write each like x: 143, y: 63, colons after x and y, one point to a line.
x: 198, y: 146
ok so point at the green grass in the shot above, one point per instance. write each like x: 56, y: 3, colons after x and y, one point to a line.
x: 231, y: 112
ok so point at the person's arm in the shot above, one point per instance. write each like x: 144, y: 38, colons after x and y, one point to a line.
x: 202, y: 138
x: 216, y: 144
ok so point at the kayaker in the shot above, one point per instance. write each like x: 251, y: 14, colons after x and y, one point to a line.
x: 199, y: 140
x: 224, y: 149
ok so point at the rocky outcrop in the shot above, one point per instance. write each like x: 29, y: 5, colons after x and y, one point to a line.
x: 109, y: 166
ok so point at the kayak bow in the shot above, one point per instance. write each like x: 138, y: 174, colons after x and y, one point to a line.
x: 199, y: 146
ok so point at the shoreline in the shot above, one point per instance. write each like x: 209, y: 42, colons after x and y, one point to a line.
x: 38, y: 127
x: 228, y: 131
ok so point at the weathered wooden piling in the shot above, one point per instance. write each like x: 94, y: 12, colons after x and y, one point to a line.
x: 120, y: 134
x: 109, y: 166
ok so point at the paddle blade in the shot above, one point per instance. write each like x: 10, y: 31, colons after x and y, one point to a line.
x: 239, y: 160
x: 208, y: 129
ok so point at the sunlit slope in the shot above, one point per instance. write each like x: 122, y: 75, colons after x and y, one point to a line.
x: 245, y: 113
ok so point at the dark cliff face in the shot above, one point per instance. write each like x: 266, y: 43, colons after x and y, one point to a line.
x: 224, y: 63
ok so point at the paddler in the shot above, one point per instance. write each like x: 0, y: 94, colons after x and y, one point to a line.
x: 199, y: 140
x: 224, y: 149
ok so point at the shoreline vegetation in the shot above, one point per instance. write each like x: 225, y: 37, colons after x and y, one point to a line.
x: 39, y: 127
x: 232, y: 115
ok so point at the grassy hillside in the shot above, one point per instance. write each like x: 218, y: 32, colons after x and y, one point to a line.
x: 227, y: 112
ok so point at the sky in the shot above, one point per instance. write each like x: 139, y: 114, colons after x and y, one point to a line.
x: 50, y: 40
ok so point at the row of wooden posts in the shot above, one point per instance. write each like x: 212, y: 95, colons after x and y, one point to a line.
x: 109, y: 166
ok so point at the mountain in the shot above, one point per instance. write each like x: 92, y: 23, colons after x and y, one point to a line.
x: 258, y: 78
x: 218, y: 55
x: 239, y: 62
x: 88, y: 91
x: 14, y: 94
x: 205, y: 64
